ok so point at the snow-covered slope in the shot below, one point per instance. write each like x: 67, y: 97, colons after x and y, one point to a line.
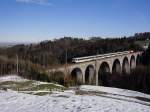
x: 85, y: 99
x: 12, y: 77
x: 11, y: 101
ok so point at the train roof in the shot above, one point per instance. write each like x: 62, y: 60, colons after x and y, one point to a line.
x: 101, y: 55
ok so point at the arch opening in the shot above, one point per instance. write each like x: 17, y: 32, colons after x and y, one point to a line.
x: 76, y: 76
x: 132, y: 63
x: 89, y: 74
x: 138, y: 60
x: 116, y: 67
x: 103, y: 74
x: 125, y: 66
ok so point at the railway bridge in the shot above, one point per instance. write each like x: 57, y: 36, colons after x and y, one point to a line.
x: 90, y: 69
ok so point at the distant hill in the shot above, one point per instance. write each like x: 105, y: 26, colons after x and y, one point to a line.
x: 11, y: 44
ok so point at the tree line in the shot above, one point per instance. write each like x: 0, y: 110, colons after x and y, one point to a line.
x: 50, y: 53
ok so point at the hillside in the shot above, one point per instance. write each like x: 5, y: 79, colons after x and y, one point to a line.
x: 84, y: 99
x: 53, y: 52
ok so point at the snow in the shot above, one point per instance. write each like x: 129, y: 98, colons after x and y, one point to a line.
x: 115, y: 91
x: 12, y: 101
x: 95, y: 99
x: 12, y: 77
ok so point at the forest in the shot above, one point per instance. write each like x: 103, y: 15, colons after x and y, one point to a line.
x: 49, y: 53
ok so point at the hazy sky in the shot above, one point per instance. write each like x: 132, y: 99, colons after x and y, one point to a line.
x: 35, y: 20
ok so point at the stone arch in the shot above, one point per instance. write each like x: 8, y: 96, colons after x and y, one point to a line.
x: 138, y: 59
x: 77, y: 76
x: 132, y: 62
x: 116, y: 68
x: 103, y: 74
x: 126, y: 66
x: 89, y: 74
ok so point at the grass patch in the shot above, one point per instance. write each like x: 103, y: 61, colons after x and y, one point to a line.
x: 49, y: 87
x: 16, y: 85
x: 31, y: 86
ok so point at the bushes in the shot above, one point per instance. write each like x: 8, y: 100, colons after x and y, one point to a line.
x: 140, y: 79
x: 36, y: 75
x: 57, y: 77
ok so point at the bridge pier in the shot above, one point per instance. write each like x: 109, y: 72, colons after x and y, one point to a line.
x: 96, y: 72
x: 83, y: 77
x: 91, y: 75
x: 96, y: 77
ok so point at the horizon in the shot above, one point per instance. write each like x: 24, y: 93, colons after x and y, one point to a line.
x: 52, y: 39
x: 39, y: 20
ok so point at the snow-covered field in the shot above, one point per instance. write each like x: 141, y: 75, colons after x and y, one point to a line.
x: 91, y: 99
x: 67, y: 101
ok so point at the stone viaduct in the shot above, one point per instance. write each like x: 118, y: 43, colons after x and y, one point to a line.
x: 90, y: 72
